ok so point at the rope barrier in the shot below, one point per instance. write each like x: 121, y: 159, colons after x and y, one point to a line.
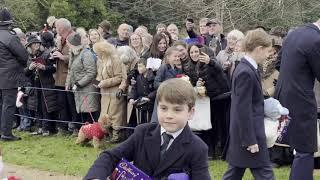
x: 62, y: 90
x: 60, y: 121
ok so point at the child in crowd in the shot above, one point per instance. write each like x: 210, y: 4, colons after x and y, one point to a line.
x: 169, y: 69
x: 165, y: 148
x: 143, y: 92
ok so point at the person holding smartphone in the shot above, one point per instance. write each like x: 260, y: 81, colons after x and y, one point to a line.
x: 42, y: 103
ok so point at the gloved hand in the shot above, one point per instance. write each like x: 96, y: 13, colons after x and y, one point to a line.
x: 119, y: 93
x: 74, y: 88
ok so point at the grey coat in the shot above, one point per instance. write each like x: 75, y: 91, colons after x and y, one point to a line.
x: 82, y: 71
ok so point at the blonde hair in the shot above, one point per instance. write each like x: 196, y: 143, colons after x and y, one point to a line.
x: 177, y: 91
x: 147, y: 40
x: 203, y: 20
x: 96, y: 30
x: 105, y: 51
x: 256, y: 38
x: 81, y: 31
x: 136, y: 35
x: 169, y: 51
x: 51, y: 20
x: 236, y: 33
x: 126, y: 54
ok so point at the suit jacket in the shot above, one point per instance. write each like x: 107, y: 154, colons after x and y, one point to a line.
x: 300, y: 65
x: 247, y: 119
x: 187, y: 153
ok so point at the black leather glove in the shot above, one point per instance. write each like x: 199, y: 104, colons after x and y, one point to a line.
x: 119, y: 93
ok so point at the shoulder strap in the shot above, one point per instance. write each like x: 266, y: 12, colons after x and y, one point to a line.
x: 93, y: 54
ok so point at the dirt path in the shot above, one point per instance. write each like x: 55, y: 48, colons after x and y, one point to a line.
x: 33, y: 174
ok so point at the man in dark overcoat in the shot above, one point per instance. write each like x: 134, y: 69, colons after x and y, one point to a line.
x: 13, y: 59
x: 300, y: 65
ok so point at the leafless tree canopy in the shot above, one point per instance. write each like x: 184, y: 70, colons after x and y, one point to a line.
x: 240, y: 14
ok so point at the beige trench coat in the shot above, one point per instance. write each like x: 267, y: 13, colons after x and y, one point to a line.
x: 111, y: 75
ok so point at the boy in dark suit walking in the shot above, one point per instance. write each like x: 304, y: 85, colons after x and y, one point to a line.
x: 247, y: 146
x: 165, y: 148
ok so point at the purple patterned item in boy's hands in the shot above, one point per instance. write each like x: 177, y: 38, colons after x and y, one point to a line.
x: 127, y: 171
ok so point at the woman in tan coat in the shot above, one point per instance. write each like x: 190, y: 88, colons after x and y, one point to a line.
x: 111, y: 73
x: 269, y: 72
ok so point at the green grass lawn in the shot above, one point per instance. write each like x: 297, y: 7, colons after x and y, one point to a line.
x: 60, y: 154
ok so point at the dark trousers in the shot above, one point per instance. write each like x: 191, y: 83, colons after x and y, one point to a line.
x: 281, y: 155
x: 25, y: 123
x: 7, y: 110
x: 42, y: 113
x: 302, y: 166
x: 236, y: 173
x: 220, y: 110
x: 68, y: 110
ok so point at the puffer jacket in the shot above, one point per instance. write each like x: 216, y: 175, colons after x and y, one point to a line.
x: 42, y: 79
x: 82, y: 71
x: 13, y: 60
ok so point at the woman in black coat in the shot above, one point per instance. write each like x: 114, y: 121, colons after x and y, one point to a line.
x: 204, y: 70
x: 40, y: 70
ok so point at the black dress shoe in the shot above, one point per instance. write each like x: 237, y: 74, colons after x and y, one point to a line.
x: 10, y: 138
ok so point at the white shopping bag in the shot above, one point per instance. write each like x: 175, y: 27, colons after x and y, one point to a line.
x: 201, y: 120
x: 271, y: 130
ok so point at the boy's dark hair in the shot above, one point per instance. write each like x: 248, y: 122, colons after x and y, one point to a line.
x: 142, y: 61
x: 177, y: 91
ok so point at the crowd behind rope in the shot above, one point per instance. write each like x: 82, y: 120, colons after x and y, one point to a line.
x: 126, y: 70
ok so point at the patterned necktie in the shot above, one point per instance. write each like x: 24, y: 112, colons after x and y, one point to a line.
x: 166, y: 140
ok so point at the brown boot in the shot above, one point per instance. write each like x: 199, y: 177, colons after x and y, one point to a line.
x: 115, y: 136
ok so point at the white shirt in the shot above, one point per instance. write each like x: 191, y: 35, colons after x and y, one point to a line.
x: 251, y: 61
x: 316, y: 24
x: 174, y: 135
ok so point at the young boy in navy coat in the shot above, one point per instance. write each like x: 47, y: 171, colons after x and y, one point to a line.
x: 165, y: 148
x: 247, y: 146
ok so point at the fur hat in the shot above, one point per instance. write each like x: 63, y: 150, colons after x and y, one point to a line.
x: 33, y: 39
x: 75, y: 39
x: 5, y: 17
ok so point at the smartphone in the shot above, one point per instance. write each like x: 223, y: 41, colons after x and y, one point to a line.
x: 39, y: 60
x: 202, y: 50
